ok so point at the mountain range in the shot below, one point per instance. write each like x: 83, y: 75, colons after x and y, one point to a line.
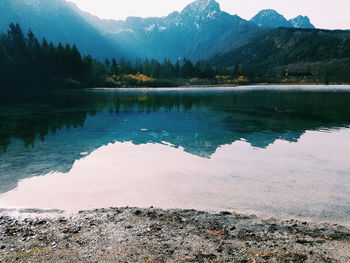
x: 199, y: 31
x: 268, y: 45
x: 269, y: 18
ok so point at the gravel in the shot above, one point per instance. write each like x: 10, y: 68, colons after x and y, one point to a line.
x: 154, y: 235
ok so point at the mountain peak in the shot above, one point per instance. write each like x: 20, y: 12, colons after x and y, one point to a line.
x: 301, y: 22
x: 202, y: 9
x: 268, y: 12
x: 270, y: 18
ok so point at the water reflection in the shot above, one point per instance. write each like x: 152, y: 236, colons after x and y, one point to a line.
x: 238, y: 111
x: 308, y: 179
x: 49, y: 133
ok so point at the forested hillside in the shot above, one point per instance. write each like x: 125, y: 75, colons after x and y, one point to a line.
x: 320, y: 55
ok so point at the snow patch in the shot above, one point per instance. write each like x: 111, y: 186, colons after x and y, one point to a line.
x: 151, y: 27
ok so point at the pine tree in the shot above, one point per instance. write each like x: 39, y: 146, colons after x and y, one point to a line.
x: 114, y: 67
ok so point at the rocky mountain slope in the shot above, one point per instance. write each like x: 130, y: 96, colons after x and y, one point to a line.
x: 57, y: 21
x: 199, y: 30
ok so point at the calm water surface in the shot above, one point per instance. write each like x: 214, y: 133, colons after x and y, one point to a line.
x: 280, y: 151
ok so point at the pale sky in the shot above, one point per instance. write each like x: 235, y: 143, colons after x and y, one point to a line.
x: 331, y: 14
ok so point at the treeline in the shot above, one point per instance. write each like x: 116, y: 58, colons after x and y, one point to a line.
x: 150, y: 72
x: 27, y: 63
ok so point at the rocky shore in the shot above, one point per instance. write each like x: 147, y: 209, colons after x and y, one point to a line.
x: 154, y: 236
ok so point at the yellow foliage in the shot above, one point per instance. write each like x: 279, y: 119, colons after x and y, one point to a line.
x: 139, y: 78
x: 241, y: 79
x: 229, y: 80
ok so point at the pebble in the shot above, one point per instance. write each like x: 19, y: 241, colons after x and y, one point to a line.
x: 200, y: 236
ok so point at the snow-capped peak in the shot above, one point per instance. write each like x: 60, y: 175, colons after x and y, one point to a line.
x: 202, y: 9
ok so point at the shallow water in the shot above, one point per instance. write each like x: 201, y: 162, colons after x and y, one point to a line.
x: 280, y: 151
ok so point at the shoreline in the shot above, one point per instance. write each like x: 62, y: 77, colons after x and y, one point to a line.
x: 221, y: 86
x: 158, y: 235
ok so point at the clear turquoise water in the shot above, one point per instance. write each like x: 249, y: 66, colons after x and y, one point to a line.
x: 271, y: 150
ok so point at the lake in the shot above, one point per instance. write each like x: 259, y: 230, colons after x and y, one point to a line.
x: 271, y: 150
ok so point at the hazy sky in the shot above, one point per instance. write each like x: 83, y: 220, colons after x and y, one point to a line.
x: 332, y: 14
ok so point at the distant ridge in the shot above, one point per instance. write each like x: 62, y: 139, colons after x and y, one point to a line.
x: 270, y: 18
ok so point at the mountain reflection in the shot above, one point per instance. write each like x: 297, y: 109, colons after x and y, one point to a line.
x: 48, y: 132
